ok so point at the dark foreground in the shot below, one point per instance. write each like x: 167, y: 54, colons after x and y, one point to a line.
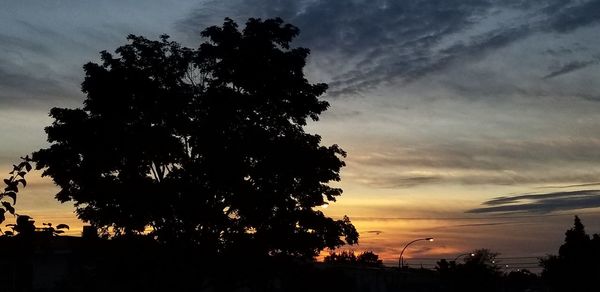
x: 77, y: 264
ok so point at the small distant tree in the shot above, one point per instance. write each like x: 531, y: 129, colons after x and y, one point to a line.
x: 344, y: 257
x: 483, y: 258
x: 349, y: 257
x: 477, y: 273
x: 444, y: 266
x: 369, y: 258
x: 521, y: 280
x: 205, y: 147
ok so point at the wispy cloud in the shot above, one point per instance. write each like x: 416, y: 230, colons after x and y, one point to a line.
x: 570, y: 67
x: 497, y: 162
x: 570, y: 186
x: 574, y: 15
x: 382, y: 42
x: 43, y: 45
x: 542, y: 203
x: 20, y: 86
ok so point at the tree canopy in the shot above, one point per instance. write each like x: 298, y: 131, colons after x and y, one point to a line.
x: 477, y: 272
x: 348, y: 257
x: 577, y: 264
x: 202, y: 146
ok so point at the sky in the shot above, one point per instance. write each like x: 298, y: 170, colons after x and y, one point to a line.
x: 474, y: 122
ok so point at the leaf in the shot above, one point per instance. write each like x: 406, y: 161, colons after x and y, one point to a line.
x: 2, y: 218
x: 28, y: 166
x: 62, y: 226
x: 8, y: 207
x: 9, y: 233
x: 11, y: 188
x: 13, y: 195
x: 58, y: 231
x: 22, y: 173
x: 7, y: 181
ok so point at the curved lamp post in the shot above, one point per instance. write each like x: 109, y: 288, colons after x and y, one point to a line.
x: 401, y: 260
x: 464, y: 254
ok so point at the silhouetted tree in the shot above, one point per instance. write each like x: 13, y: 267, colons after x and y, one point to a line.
x: 477, y: 273
x: 348, y: 257
x: 369, y: 258
x: 521, y: 280
x: 577, y: 264
x: 484, y: 258
x: 205, y: 147
x: 342, y: 257
x: 443, y: 266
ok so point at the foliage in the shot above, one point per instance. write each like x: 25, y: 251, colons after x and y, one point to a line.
x: 478, y: 272
x: 521, y: 280
x: 484, y: 258
x: 343, y: 257
x: 8, y: 198
x: 203, y: 146
x: 369, y: 258
x: 366, y: 258
x: 24, y: 225
x: 54, y: 230
x: 578, y: 261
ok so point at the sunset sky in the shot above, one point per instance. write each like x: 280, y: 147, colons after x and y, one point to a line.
x: 475, y: 122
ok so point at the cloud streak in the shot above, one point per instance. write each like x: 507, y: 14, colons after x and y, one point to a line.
x: 542, y: 203
x: 497, y: 162
x: 570, y: 67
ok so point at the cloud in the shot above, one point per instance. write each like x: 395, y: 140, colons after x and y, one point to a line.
x: 575, y: 16
x: 542, y: 203
x: 570, y: 67
x: 33, y: 71
x: 571, y: 186
x: 479, y: 162
x: 376, y: 232
x: 375, y: 38
x: 367, y: 44
x: 20, y: 86
x: 474, y: 225
x: 15, y: 44
x: 43, y: 46
x: 399, y: 181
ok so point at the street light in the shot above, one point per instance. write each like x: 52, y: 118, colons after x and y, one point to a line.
x: 401, y: 260
x: 464, y: 254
